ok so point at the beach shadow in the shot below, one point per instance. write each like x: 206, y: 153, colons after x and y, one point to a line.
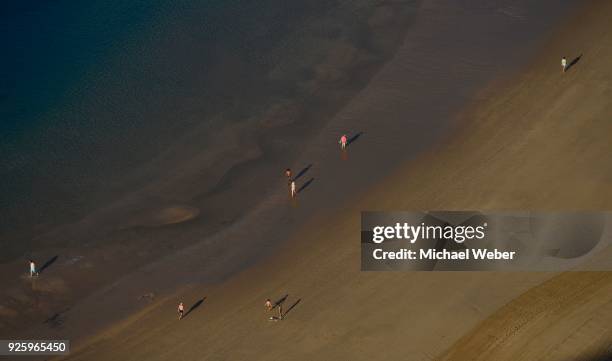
x: 305, y: 185
x: 194, y: 306
x: 57, y: 319
x: 302, y: 172
x: 47, y: 264
x: 574, y: 62
x: 280, y: 301
x: 353, y: 138
x: 291, y: 307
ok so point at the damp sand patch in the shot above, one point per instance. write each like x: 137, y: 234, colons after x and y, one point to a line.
x: 164, y: 216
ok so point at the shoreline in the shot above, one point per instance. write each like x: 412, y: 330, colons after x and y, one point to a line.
x: 191, y: 183
x: 307, y: 206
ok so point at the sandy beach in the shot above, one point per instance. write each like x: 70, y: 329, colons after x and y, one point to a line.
x: 540, y: 143
x: 534, y: 138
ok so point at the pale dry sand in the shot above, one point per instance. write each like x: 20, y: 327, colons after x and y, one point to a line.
x: 542, y: 142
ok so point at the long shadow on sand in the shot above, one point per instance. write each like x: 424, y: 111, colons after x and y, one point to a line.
x: 57, y: 319
x: 353, y: 138
x: 305, y: 185
x: 574, y: 62
x: 302, y: 172
x: 47, y: 264
x: 195, y: 305
x: 291, y: 307
x: 280, y: 301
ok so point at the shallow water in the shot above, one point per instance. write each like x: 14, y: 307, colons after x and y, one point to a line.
x: 102, y: 99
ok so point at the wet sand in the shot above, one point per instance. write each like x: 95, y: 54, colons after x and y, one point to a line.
x: 539, y: 141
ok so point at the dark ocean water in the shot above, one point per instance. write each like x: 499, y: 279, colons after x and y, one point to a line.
x: 50, y: 46
x: 57, y: 53
x: 84, y: 88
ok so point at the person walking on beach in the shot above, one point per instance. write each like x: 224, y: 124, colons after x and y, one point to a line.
x: 288, y: 173
x: 269, y: 305
x: 343, y: 141
x: 33, y: 271
x: 564, y: 64
x: 293, y: 191
x: 181, y: 310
